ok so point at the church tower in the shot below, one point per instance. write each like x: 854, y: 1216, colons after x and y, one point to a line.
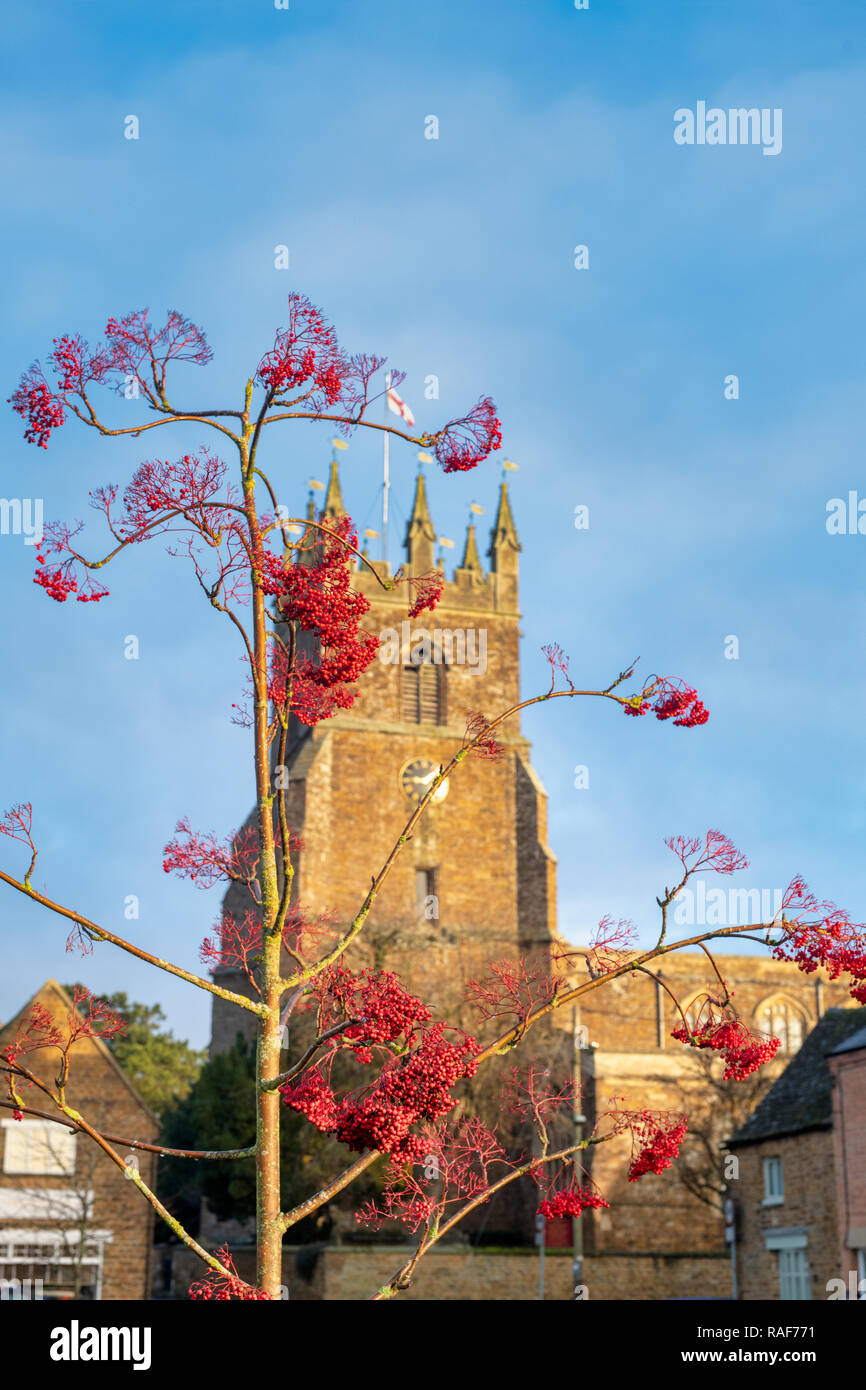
x: 477, y: 882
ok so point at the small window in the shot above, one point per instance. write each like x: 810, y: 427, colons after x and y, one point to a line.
x: 422, y: 694
x: 32, y: 1146
x: 426, y: 895
x: 795, y: 1280
x: 774, y: 1188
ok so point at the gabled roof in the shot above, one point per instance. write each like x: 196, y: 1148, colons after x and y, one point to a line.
x: 51, y: 987
x: 801, y: 1098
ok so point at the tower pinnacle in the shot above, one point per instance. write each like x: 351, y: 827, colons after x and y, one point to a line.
x: 503, y: 552
x: 470, y: 565
x: 420, y: 533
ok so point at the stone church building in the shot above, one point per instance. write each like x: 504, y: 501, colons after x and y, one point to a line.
x: 477, y: 883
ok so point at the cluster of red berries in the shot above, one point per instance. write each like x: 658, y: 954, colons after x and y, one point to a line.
x: 58, y: 583
x: 835, y: 944
x: 427, y: 589
x: 377, y: 1123
x: 76, y: 365
x: 61, y: 581
x: 311, y: 703
x: 318, y: 597
x: 313, y: 1097
x: 68, y: 358
x: 379, y: 1000
x: 329, y: 381
x: 656, y: 1139
x: 822, y: 934
x: 744, y: 1052
x: 422, y: 1084
x: 42, y: 411
x: 280, y: 371
x: 321, y: 600
x: 570, y: 1202
x: 416, y: 1088
x: 753, y: 1055
x: 463, y: 444
x: 668, y: 699
x: 306, y: 351
x: 419, y: 1089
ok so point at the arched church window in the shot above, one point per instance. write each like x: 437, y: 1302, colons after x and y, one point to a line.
x: 780, y: 1019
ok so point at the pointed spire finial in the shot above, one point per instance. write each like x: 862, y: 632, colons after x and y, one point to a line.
x: 334, y: 496
x: 504, y: 549
x: 504, y: 532
x: 471, y: 559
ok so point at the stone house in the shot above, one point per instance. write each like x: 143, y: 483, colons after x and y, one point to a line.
x: 70, y: 1221
x: 799, y: 1195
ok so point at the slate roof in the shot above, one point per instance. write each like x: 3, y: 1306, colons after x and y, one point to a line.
x: 801, y: 1097
x: 852, y: 1044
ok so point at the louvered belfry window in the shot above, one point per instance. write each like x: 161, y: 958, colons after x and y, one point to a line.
x: 423, y: 693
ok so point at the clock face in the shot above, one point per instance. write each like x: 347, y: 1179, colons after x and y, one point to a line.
x: 415, y: 779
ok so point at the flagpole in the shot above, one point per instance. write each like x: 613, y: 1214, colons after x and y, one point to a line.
x: 387, y: 478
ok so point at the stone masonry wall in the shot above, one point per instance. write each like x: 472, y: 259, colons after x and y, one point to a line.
x: 343, y: 1274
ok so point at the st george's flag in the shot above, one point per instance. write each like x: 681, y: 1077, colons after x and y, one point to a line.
x: 400, y: 407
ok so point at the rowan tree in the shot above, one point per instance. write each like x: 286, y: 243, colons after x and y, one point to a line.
x: 381, y: 1076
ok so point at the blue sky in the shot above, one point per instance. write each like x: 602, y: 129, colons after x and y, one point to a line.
x: 455, y: 257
